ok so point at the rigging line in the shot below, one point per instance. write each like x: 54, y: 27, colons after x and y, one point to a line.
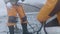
x: 29, y: 5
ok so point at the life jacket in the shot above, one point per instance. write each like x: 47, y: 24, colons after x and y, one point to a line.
x: 46, y: 10
x: 56, y: 9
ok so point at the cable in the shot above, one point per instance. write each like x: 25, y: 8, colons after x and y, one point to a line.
x: 30, y: 25
x: 45, y: 28
x: 40, y: 29
x: 29, y: 5
x: 44, y: 25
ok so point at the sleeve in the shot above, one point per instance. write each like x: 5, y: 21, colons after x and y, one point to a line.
x: 46, y: 10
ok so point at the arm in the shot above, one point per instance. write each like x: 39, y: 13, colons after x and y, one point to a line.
x: 46, y: 10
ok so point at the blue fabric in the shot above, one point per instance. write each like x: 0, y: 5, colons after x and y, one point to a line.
x: 12, y: 19
x: 24, y: 19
